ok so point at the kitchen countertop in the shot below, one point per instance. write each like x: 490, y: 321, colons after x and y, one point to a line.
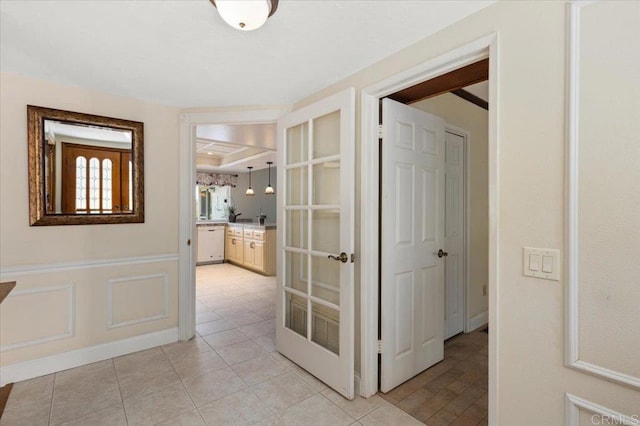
x: 252, y: 225
x: 255, y: 225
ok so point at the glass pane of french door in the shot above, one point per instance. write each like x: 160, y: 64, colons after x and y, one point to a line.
x: 312, y: 231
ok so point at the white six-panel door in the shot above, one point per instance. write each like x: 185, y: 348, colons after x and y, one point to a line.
x: 412, y: 274
x: 315, y: 290
x: 454, y: 235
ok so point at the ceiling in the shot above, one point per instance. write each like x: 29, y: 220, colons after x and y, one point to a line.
x: 234, y: 147
x: 102, y: 134
x: 480, y: 90
x: 181, y: 53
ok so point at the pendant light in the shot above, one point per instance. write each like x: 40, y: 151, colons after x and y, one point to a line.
x: 269, y: 189
x: 249, y: 189
x: 245, y: 15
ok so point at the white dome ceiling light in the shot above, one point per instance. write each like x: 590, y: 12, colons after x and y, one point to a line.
x: 245, y: 15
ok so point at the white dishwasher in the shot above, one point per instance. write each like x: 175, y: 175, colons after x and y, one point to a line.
x: 210, y: 244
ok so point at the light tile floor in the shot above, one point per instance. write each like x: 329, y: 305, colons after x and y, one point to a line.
x: 229, y: 373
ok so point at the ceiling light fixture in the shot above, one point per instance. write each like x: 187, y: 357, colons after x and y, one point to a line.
x: 269, y: 189
x: 245, y: 15
x: 249, y: 189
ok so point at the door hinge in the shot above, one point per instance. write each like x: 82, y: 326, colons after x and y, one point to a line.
x: 379, y: 346
x: 379, y: 131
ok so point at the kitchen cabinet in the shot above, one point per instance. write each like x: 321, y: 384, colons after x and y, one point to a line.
x: 210, y: 245
x: 233, y: 248
x: 254, y: 248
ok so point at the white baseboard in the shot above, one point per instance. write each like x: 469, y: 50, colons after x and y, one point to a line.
x: 51, y: 364
x: 478, y: 321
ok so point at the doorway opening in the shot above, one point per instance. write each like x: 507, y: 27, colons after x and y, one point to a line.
x: 441, y: 374
x: 232, y: 228
x: 204, y: 131
x: 475, y: 55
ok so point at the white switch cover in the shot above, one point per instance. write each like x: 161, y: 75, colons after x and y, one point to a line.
x: 534, y: 262
x: 542, y: 263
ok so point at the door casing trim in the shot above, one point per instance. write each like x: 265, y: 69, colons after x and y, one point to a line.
x: 187, y: 229
x: 482, y: 48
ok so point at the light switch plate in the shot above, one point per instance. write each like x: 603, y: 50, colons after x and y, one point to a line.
x: 549, y: 266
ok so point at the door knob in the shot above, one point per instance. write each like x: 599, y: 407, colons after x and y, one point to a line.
x: 340, y: 258
x: 442, y: 253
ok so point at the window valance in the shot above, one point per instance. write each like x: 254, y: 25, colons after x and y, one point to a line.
x: 220, y: 179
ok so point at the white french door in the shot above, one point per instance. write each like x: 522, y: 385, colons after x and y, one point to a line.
x: 315, y: 292
x: 412, y: 233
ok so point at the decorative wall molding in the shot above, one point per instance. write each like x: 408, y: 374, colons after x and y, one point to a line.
x: 572, y: 330
x: 602, y: 415
x: 110, y: 284
x: 14, y: 271
x: 69, y: 332
x: 59, y: 362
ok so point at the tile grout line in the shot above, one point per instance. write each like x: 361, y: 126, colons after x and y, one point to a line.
x: 250, y: 387
x: 124, y: 409
x: 236, y: 327
x: 53, y: 389
x: 340, y: 408
x: 184, y: 386
x: 230, y: 366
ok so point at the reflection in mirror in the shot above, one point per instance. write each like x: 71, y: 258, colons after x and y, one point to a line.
x: 84, y: 169
x: 87, y: 169
x: 212, y: 202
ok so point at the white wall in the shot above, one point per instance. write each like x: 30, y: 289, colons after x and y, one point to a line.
x: 73, y: 281
x: 531, y: 376
x: 475, y: 120
x: 250, y: 207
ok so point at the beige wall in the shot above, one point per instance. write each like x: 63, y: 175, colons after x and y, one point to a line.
x: 72, y: 306
x: 608, y: 187
x: 475, y: 120
x: 532, y: 378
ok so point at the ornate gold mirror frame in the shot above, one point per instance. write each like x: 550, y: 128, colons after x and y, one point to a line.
x: 46, y: 166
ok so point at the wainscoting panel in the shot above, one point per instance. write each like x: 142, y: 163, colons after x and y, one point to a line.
x: 581, y: 412
x: 50, y: 311
x: 602, y: 207
x: 136, y: 299
x: 60, y: 308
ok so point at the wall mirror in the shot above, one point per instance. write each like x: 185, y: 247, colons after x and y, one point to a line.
x: 84, y: 169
